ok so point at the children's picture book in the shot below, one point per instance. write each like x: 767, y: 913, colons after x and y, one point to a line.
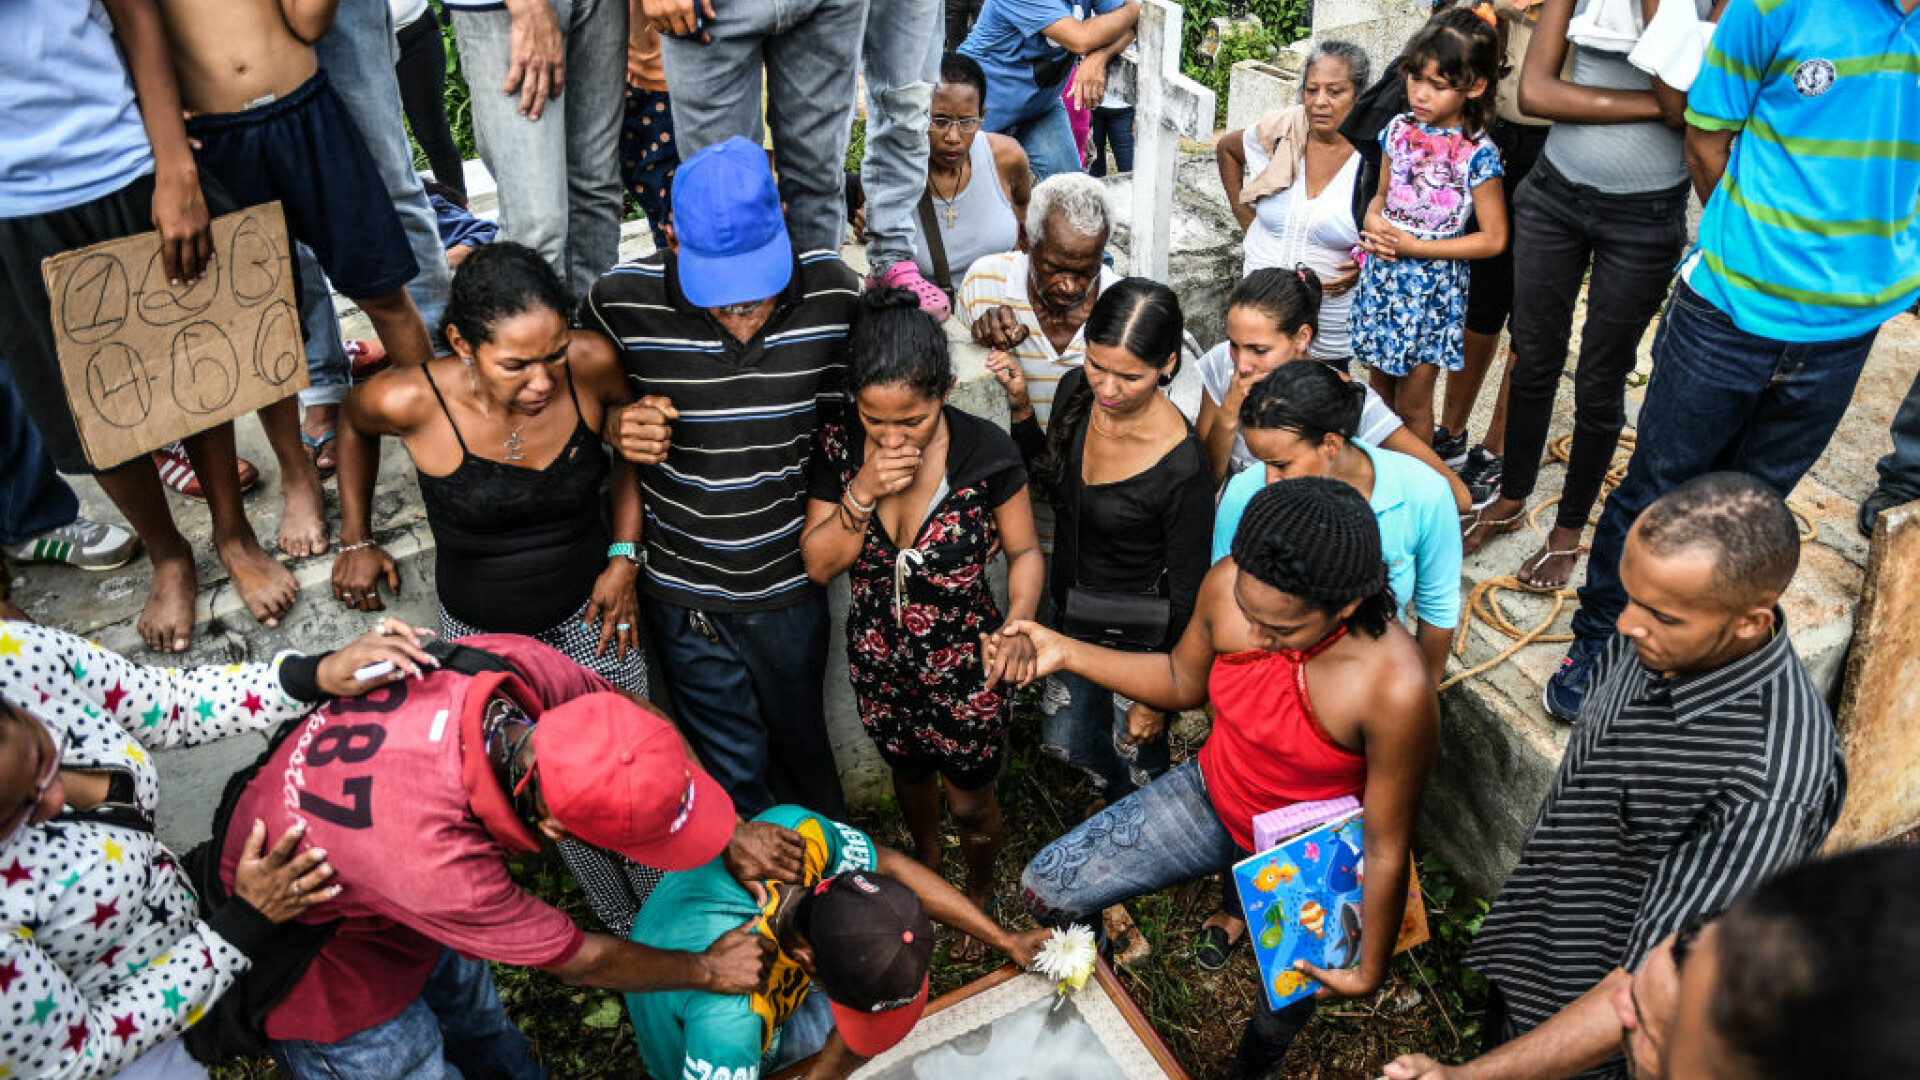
x: 1302, y: 902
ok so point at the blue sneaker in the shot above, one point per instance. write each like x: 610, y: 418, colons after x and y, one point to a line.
x: 1568, y: 686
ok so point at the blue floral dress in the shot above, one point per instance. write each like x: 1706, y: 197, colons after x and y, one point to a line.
x: 1414, y: 311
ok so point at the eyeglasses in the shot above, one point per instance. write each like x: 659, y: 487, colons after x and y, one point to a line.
x: 50, y: 771
x: 943, y: 124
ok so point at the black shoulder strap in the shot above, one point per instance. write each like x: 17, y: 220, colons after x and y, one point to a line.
x: 936, y: 247
x: 118, y: 814
x: 465, y: 659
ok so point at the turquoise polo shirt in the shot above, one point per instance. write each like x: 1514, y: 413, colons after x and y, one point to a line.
x: 1814, y: 232
x: 1419, y: 530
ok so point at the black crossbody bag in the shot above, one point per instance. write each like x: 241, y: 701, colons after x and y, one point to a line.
x: 1114, y: 618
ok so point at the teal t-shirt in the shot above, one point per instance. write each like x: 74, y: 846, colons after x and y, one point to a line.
x: 692, y: 1034
x: 1419, y: 530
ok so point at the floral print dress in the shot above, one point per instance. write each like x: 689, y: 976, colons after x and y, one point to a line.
x: 1414, y: 311
x: 913, y: 630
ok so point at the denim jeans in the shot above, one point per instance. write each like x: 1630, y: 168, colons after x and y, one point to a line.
x: 1049, y: 142
x: 559, y: 176
x: 329, y: 375
x: 1081, y: 724
x: 33, y: 498
x: 810, y: 52
x: 1631, y: 243
x: 1161, y: 835
x: 748, y: 698
x: 1720, y: 398
x: 455, y: 1030
x: 359, y: 53
x: 1115, y: 127
x: 1900, y: 470
x: 803, y: 1035
x: 901, y: 55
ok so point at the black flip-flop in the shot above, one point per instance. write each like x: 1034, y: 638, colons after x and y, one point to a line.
x: 1215, y: 948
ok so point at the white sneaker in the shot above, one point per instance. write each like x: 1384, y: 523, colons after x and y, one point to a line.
x: 89, y: 545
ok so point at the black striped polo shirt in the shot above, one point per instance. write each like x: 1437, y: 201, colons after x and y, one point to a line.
x: 723, y: 512
x: 1676, y: 795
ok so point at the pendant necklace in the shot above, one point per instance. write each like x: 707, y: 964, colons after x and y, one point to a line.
x: 514, y: 445
x: 949, y: 211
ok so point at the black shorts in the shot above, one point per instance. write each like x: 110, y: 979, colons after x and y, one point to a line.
x: 1490, y: 286
x: 304, y: 150
x: 26, y: 314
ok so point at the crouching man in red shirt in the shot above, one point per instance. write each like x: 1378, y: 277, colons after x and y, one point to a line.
x: 419, y: 793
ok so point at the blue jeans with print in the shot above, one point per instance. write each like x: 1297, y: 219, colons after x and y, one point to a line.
x: 1720, y: 399
x: 809, y: 50
x: 359, y: 53
x: 455, y: 1030
x: 901, y: 55
x: 1161, y: 835
x: 559, y: 175
x: 33, y: 498
x: 1081, y: 724
x: 746, y: 689
x: 1049, y: 142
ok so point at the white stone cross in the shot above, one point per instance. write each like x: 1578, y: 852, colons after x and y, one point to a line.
x: 1166, y: 106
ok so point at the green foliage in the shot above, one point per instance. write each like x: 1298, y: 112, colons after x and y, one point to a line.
x: 1283, y: 22
x: 1438, y: 969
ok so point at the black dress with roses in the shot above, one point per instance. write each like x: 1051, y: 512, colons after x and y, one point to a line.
x: 914, y: 655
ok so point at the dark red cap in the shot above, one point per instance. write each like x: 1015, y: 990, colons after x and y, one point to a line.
x: 872, y: 947
x: 618, y: 777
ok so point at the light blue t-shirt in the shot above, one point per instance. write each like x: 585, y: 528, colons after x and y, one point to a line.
x: 1026, y: 71
x: 1419, y: 530
x: 1814, y: 233
x: 70, y: 130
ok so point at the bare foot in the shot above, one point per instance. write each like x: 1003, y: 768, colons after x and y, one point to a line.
x: 1497, y: 518
x: 267, y: 587
x: 166, y: 623
x: 303, y: 514
x: 1550, y: 567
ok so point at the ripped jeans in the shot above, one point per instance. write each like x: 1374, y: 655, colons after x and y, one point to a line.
x: 1081, y: 725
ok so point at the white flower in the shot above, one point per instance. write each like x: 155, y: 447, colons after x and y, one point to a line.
x: 1067, y: 958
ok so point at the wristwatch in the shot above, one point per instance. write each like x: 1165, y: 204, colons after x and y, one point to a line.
x: 626, y: 550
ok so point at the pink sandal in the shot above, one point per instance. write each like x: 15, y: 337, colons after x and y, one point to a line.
x: 905, y: 275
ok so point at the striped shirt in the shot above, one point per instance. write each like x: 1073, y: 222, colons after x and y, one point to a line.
x: 1814, y: 232
x: 723, y: 511
x: 1001, y: 280
x: 1675, y: 796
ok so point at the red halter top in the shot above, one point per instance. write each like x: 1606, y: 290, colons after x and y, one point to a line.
x: 1268, y: 749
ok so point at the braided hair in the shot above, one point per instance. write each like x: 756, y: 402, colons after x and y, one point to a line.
x: 1317, y: 539
x: 1307, y: 398
x: 1138, y: 315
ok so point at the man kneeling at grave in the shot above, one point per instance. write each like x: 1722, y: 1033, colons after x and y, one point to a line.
x: 849, y: 979
x: 418, y: 793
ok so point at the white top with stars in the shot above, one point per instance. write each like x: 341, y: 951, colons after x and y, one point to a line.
x: 102, y: 954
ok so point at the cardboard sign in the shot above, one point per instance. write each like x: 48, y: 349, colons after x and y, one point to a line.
x: 146, y: 363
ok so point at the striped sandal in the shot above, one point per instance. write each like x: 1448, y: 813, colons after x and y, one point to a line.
x: 177, y: 475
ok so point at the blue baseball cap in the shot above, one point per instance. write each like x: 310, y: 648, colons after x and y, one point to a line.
x: 726, y: 214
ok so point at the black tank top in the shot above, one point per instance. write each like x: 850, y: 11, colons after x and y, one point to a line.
x: 517, y: 549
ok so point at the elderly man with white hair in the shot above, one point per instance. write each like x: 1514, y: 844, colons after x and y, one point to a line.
x: 1032, y: 304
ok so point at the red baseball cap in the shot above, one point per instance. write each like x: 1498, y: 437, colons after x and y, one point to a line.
x: 618, y: 777
x: 872, y: 948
